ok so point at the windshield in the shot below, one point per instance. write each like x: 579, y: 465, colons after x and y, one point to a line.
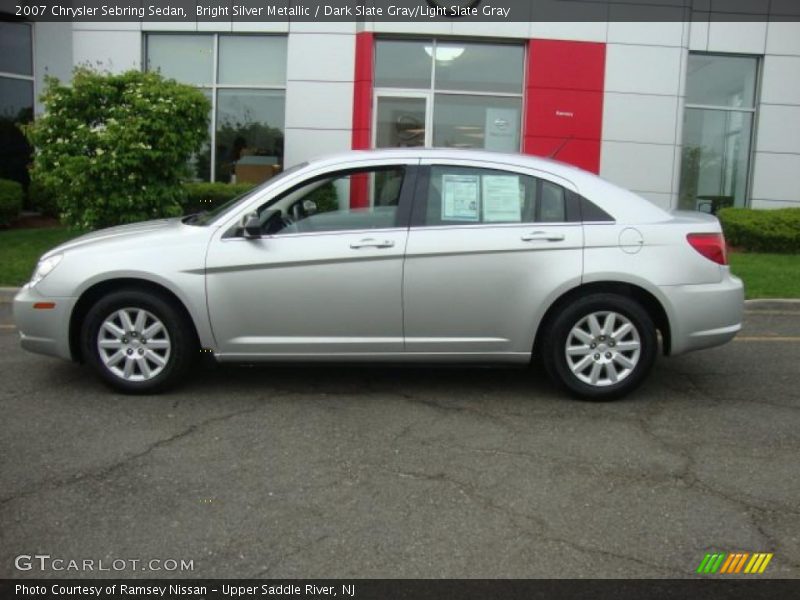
x: 209, y: 216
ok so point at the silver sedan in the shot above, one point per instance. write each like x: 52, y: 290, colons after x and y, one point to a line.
x: 395, y: 255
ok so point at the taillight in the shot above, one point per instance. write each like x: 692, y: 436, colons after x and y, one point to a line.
x: 710, y: 245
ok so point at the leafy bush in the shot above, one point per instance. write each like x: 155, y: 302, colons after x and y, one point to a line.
x: 762, y: 230
x: 205, y: 196
x: 115, y: 147
x: 42, y: 200
x: 10, y: 200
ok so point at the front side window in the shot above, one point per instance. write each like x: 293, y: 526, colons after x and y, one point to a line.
x: 244, y: 76
x: 717, y: 131
x: 448, y: 94
x: 343, y: 201
x: 465, y: 195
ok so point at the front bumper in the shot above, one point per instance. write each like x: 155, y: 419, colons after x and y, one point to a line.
x: 43, y: 330
x: 704, y: 316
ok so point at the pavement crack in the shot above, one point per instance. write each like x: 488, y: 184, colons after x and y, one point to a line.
x: 106, y: 471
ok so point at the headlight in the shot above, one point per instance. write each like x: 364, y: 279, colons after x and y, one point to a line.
x: 44, y: 267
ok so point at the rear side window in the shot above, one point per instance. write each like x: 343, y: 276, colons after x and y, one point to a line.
x: 591, y: 213
x: 465, y: 195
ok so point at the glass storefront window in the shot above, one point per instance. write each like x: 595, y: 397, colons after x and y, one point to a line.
x: 473, y: 67
x: 403, y: 64
x: 16, y: 98
x: 245, y: 82
x: 252, y: 60
x: 717, y: 131
x: 249, y: 137
x: 401, y: 122
x: 16, y: 53
x: 477, y: 122
x: 185, y: 58
x: 721, y: 80
x: 448, y: 93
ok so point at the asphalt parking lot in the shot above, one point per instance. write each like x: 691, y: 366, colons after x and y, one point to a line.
x: 399, y: 472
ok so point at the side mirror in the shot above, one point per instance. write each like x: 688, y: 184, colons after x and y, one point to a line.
x: 251, y: 226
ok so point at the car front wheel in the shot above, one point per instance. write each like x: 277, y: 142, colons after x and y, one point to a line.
x: 137, y: 342
x: 600, y: 347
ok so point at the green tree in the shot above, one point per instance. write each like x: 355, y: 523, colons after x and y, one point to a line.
x: 113, y: 148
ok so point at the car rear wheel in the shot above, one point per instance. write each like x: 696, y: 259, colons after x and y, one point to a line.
x: 600, y: 347
x: 137, y: 341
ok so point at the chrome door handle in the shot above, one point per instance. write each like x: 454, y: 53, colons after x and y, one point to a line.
x: 371, y: 243
x: 543, y: 236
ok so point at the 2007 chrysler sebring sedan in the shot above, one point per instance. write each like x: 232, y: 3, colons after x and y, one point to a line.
x: 395, y: 255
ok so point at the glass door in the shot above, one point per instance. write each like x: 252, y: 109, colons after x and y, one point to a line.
x: 402, y: 120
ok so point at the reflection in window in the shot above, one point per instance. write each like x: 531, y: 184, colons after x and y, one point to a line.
x: 717, y: 132
x: 249, y: 138
x: 247, y: 93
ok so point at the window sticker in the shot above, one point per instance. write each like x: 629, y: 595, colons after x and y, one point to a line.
x: 502, y: 198
x: 460, y: 197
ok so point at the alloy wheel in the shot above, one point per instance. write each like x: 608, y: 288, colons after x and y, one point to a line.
x: 603, y: 348
x: 134, y: 344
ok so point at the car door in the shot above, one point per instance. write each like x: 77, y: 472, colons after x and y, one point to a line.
x: 489, y: 248
x: 326, y: 284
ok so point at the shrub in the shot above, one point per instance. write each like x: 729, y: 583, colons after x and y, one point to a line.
x: 10, y: 200
x: 115, y: 147
x: 42, y: 200
x: 205, y: 196
x: 762, y: 230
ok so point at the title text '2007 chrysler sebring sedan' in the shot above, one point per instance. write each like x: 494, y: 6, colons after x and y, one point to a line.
x: 395, y: 255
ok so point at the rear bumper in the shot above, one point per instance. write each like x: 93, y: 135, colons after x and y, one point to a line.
x: 43, y: 330
x: 704, y: 316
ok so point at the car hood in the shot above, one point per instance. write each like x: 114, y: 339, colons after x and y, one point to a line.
x: 120, y: 233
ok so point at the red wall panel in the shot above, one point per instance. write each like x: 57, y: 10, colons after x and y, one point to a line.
x: 362, y: 112
x: 564, y: 101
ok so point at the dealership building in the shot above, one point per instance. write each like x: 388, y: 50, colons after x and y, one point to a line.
x: 694, y: 115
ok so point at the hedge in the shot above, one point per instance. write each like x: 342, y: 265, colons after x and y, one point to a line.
x: 205, y: 196
x: 11, y: 195
x: 40, y: 199
x: 762, y: 230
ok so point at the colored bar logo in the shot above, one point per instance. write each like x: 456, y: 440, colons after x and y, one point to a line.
x: 724, y: 563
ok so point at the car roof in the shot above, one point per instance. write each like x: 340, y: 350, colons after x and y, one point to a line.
x: 522, y: 160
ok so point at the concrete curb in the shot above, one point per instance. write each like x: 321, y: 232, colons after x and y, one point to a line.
x: 789, y: 304
x: 7, y: 294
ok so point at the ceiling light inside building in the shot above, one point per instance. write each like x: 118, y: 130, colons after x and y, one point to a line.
x: 445, y: 53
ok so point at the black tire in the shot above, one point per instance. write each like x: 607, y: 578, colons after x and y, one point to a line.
x: 558, y: 331
x: 184, y: 348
